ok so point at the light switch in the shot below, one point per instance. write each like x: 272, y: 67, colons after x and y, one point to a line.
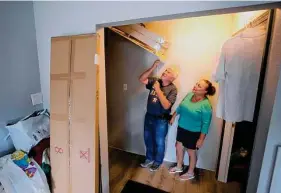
x: 37, y: 98
x: 125, y: 87
x: 96, y: 59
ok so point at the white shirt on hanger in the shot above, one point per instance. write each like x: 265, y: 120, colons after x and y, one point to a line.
x: 237, y: 73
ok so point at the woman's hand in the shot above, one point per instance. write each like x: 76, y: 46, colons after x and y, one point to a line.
x: 199, y: 143
x: 172, y: 120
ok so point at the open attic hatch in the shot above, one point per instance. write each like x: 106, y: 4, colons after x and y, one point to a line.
x: 141, y: 36
x: 158, y: 45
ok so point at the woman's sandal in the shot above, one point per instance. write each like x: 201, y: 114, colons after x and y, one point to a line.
x: 187, y: 176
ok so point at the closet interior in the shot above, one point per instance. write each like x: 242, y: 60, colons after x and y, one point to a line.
x: 209, y: 47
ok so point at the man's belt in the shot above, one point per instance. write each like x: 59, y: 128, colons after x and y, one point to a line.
x: 164, y: 116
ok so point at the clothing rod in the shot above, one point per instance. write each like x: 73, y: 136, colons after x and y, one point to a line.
x: 257, y: 21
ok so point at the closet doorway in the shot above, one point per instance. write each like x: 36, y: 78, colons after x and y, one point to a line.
x: 195, y: 48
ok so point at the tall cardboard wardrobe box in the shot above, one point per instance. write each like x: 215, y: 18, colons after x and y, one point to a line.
x: 73, y: 106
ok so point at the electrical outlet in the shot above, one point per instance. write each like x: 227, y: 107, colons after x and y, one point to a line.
x: 36, y: 98
x: 125, y: 87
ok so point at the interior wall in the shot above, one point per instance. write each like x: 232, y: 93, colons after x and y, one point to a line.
x: 19, y: 73
x: 274, y: 132
x: 57, y: 18
x: 125, y: 61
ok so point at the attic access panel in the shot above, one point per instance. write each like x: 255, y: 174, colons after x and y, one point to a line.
x: 144, y: 38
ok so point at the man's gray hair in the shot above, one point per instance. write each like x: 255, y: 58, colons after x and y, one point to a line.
x: 175, y: 72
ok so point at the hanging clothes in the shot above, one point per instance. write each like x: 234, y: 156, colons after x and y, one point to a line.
x: 237, y: 72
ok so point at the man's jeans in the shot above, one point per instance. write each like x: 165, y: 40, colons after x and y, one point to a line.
x: 155, y: 131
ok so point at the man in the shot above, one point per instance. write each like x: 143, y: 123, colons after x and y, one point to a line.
x: 161, y: 98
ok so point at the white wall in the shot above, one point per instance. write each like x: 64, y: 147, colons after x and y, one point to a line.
x: 274, y: 133
x: 125, y: 61
x: 19, y: 73
x: 55, y: 18
x: 195, y: 44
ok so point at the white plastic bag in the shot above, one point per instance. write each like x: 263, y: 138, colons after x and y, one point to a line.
x: 29, y: 131
x: 39, y: 180
x: 6, y: 143
x: 14, y: 179
x: 2, y: 190
x: 3, y: 161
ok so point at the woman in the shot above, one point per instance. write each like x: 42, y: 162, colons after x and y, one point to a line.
x: 195, y: 113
